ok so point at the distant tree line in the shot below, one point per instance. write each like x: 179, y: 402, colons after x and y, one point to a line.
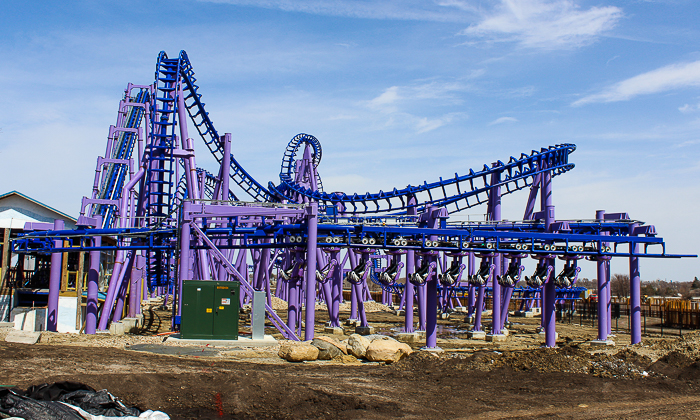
x: 620, y: 287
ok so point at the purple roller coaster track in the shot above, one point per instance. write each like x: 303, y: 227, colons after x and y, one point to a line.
x: 174, y: 222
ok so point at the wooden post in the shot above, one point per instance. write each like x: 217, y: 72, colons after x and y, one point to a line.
x: 5, y: 270
x: 6, y: 255
x: 79, y: 290
x: 64, y: 269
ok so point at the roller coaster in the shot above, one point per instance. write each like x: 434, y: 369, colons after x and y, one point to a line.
x: 293, y: 240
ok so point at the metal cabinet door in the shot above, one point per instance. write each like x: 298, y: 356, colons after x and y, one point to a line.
x: 197, y: 309
x: 226, y: 306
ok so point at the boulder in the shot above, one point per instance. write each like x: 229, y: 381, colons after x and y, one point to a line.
x: 326, y: 350
x: 387, y: 350
x: 296, y: 351
x: 357, y: 345
x: 342, y: 346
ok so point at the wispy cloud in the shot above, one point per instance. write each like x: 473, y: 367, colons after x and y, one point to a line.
x: 504, y: 120
x: 544, y: 24
x: 689, y: 109
x: 674, y: 76
x: 444, y: 11
x: 424, y: 124
x: 386, y: 102
x: 439, y: 92
x: 396, y: 100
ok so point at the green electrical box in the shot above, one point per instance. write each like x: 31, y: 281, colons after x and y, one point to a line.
x: 210, y: 309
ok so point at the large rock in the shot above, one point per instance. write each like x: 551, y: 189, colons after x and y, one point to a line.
x: 326, y: 350
x: 342, y: 346
x: 357, y: 345
x: 296, y: 351
x: 387, y: 350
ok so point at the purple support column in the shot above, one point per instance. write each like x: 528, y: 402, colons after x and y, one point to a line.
x: 508, y: 293
x: 185, y: 263
x: 111, y: 291
x: 548, y: 303
x: 635, y: 293
x: 92, y: 287
x: 55, y: 281
x: 410, y: 270
x: 337, y: 290
x: 479, y: 308
x: 134, y: 301
x: 609, y: 295
x: 431, y: 309
x: 312, y: 221
x: 292, y: 303
x: 421, y: 306
x: 495, y: 198
x: 603, y: 286
x: 140, y: 263
x: 471, y: 297
x: 354, y: 297
x: 361, y: 309
x: 226, y: 167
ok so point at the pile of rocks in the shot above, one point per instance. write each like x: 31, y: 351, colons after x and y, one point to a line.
x: 374, y: 348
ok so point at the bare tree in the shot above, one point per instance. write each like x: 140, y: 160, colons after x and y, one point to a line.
x: 620, y: 285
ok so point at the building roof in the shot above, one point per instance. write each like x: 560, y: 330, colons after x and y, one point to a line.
x: 22, y: 215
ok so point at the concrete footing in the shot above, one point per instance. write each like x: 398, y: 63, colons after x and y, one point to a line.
x: 117, y: 328
x: 601, y: 343
x: 436, y: 350
x: 364, y: 330
x: 23, y: 337
x: 126, y: 325
x: 476, y: 335
x: 334, y: 330
x: 496, y: 337
x: 408, y: 337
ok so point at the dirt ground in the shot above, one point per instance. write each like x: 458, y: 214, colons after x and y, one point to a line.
x: 513, y: 379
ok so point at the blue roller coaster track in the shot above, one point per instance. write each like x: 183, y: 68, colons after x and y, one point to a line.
x: 456, y: 193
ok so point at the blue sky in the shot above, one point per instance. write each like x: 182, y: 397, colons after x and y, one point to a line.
x: 397, y: 92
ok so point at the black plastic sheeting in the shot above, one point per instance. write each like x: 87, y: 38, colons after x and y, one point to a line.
x: 43, y: 402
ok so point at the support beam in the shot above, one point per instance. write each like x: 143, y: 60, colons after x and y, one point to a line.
x: 635, y: 293
x: 91, y: 307
x: 549, y: 301
x: 495, y: 216
x: 431, y: 307
x: 55, y: 281
x: 603, y: 286
x: 410, y: 270
x: 312, y: 220
x: 79, y: 291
